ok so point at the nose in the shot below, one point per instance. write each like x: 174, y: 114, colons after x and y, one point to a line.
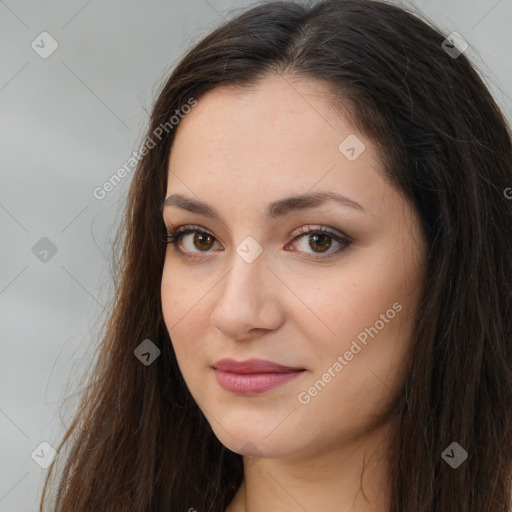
x: 248, y: 300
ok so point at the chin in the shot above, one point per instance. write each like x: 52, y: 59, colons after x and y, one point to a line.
x: 256, y: 442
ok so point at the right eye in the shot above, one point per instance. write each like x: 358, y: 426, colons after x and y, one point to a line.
x: 201, y: 241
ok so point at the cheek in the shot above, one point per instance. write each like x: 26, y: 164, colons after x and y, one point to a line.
x: 181, y: 311
x: 364, y: 313
x: 344, y: 302
x: 170, y: 291
x: 180, y: 294
x: 360, y: 363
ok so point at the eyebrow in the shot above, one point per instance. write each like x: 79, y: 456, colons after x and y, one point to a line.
x: 273, y: 210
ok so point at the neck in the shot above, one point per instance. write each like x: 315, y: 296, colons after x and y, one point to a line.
x: 350, y: 477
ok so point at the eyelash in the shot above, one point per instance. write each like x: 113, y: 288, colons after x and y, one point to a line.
x: 174, y: 238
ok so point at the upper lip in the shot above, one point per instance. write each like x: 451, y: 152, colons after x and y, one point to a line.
x: 252, y: 366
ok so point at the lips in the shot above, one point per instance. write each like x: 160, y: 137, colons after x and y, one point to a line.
x: 252, y: 366
x: 253, y: 376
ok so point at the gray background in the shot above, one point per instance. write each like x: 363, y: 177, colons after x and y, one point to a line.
x: 68, y: 123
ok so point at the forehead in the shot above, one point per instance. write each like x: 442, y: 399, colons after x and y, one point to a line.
x: 273, y: 139
x: 229, y: 116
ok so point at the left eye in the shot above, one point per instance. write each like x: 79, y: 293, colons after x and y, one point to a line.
x: 320, y: 242
x: 319, y: 239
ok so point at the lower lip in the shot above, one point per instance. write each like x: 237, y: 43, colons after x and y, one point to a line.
x: 251, y: 383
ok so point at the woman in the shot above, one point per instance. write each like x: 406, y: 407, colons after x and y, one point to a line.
x: 314, y: 304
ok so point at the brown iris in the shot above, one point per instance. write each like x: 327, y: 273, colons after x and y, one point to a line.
x: 323, y: 245
x: 203, y: 238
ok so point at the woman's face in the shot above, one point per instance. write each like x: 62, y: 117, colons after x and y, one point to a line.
x: 338, y: 306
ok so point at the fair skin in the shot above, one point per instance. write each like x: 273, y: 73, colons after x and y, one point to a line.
x: 239, y: 150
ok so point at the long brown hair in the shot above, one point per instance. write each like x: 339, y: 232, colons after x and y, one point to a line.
x: 140, y: 443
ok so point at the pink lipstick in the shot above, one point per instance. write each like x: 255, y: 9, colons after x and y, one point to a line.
x: 252, y: 376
